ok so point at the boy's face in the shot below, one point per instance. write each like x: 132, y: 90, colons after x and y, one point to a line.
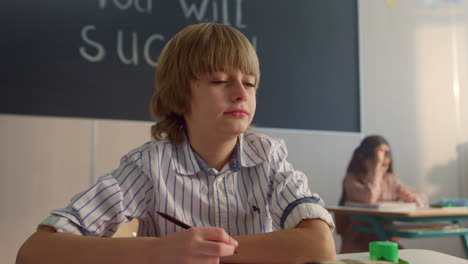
x: 221, y: 104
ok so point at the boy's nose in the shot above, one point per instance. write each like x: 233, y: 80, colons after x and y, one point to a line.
x: 239, y: 91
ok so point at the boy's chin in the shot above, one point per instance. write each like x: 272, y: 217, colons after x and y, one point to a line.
x: 237, y: 131
x: 233, y: 129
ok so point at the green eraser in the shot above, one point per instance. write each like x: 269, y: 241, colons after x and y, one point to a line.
x: 383, y: 250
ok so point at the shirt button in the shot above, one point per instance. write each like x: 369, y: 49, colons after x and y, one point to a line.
x: 219, y: 179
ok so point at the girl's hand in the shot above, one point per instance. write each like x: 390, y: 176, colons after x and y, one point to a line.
x: 380, y: 153
x: 377, y: 162
x: 406, y: 196
x: 418, y: 198
x: 196, y: 245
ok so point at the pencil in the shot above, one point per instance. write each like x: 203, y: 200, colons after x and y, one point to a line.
x: 174, y: 220
x: 178, y: 222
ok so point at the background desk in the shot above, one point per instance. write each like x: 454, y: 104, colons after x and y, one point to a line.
x: 414, y: 256
x: 375, y: 217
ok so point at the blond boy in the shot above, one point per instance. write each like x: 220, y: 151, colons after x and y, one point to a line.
x: 235, y: 188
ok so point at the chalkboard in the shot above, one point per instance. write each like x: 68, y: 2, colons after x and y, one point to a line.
x: 96, y: 59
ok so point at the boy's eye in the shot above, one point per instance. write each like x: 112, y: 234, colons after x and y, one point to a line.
x: 218, y: 81
x: 248, y: 84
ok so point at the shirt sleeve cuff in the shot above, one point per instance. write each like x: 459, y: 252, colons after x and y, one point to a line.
x: 308, y: 211
x: 61, y: 224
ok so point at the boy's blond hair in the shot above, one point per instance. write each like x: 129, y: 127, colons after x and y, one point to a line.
x: 197, y: 49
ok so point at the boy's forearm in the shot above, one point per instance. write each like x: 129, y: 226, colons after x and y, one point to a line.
x: 311, y: 240
x: 51, y: 247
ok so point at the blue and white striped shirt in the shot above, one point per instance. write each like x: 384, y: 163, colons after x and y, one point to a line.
x: 257, y: 191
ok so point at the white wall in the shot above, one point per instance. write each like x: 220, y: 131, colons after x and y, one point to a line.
x: 411, y: 56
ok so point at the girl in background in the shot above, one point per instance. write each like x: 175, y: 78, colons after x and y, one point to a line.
x: 370, y: 179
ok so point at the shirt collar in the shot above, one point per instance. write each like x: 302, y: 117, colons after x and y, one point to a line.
x: 249, y: 154
x: 184, y: 159
x: 187, y: 162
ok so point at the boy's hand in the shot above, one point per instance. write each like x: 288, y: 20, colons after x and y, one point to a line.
x: 196, y: 245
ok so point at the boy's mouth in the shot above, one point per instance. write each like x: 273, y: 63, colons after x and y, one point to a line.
x: 237, y: 113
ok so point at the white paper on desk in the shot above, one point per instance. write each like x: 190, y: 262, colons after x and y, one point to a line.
x: 385, y: 205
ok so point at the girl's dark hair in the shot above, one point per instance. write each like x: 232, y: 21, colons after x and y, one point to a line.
x: 366, y: 151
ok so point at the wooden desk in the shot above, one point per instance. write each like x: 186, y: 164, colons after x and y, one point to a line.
x: 375, y: 217
x: 413, y: 256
